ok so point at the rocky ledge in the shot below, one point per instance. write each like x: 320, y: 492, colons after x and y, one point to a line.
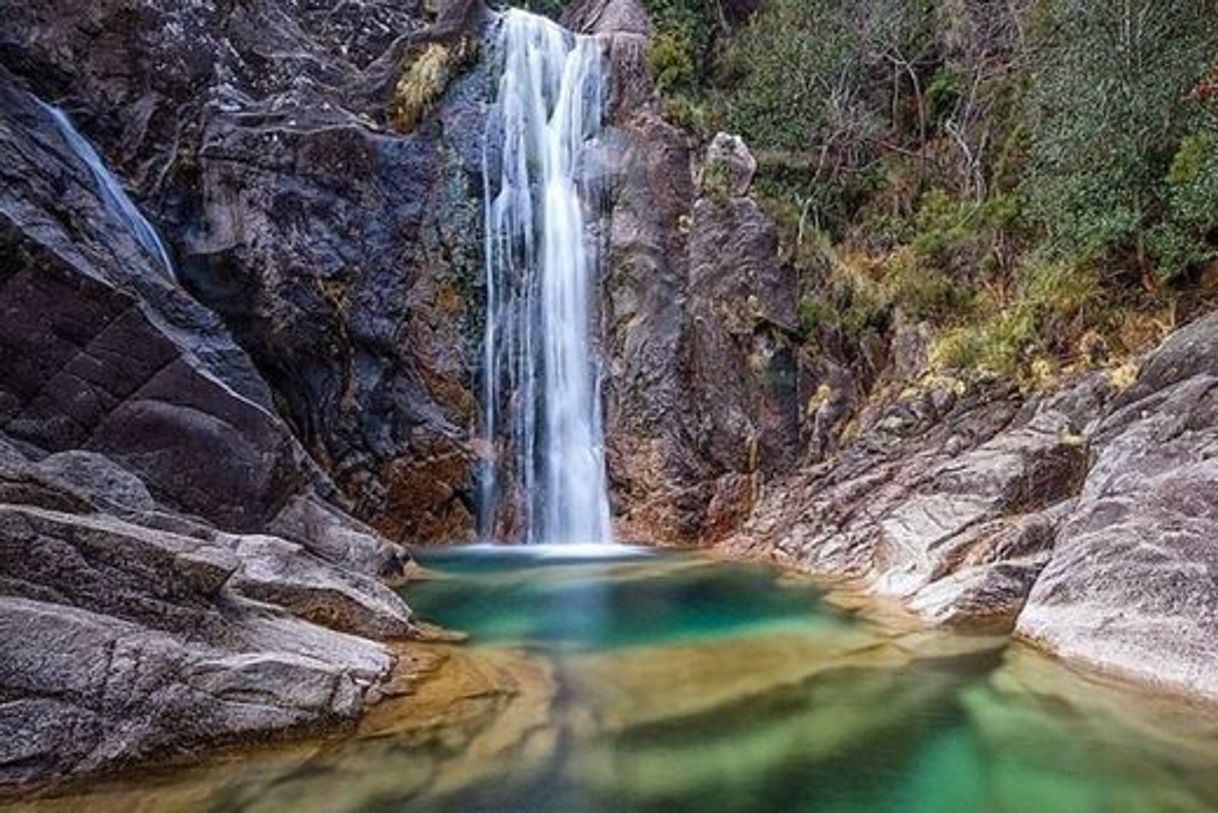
x: 175, y: 571
x: 1084, y: 520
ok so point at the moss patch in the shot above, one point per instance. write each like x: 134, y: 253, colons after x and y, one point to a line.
x: 425, y: 78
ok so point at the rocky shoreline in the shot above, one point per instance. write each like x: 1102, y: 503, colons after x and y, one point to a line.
x: 1080, y: 520
x: 205, y: 486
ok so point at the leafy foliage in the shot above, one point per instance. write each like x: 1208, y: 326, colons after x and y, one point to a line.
x: 1024, y: 176
x: 670, y: 59
x: 1110, y: 91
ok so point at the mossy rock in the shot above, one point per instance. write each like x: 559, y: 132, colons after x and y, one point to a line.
x: 729, y: 168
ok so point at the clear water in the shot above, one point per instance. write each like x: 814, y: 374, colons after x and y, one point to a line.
x: 544, y: 476
x: 666, y: 682
x: 630, y: 597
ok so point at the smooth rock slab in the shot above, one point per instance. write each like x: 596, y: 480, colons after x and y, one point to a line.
x: 1133, y: 583
x: 85, y: 691
x: 286, y: 575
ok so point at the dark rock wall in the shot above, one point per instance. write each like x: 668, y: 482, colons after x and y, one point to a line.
x: 344, y: 257
x: 173, y: 573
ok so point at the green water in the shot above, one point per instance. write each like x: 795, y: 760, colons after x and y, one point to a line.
x: 591, y: 604
x: 647, y: 682
x: 871, y: 720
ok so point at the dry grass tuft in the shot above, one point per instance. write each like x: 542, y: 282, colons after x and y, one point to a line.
x: 425, y: 79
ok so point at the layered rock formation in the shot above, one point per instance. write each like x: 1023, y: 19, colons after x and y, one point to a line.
x: 1081, y: 519
x: 175, y: 573
x: 344, y: 257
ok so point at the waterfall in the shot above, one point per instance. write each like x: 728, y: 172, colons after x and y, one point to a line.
x: 544, y: 476
x: 115, y: 199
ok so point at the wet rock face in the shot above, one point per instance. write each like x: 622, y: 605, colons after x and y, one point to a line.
x: 642, y: 313
x: 361, y: 327
x: 698, y: 311
x: 1131, y: 584
x: 614, y: 17
x: 102, y: 355
x: 344, y: 257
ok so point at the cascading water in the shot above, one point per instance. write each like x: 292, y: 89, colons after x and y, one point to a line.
x: 541, y: 393
x: 112, y: 194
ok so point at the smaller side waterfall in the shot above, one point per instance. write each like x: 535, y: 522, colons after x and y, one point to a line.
x: 116, y: 200
x: 541, y: 390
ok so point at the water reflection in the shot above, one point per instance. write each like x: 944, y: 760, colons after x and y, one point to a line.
x: 668, y: 682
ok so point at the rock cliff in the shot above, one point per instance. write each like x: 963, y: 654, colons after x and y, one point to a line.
x: 178, y: 569
x: 343, y: 256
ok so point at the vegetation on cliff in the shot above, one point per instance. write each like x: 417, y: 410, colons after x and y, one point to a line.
x: 1036, y: 179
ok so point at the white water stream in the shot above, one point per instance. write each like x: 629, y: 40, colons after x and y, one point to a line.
x: 541, y: 391
x: 113, y: 196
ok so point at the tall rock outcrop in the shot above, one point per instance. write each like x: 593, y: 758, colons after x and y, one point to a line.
x: 697, y: 309
x: 343, y: 256
x: 175, y: 570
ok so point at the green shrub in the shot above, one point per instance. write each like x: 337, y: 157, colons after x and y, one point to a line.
x: 670, y: 59
x: 943, y: 92
x: 792, y: 55
x: 1186, y: 238
x: 1004, y: 344
x: 925, y: 293
x: 1054, y: 139
x: 1110, y: 88
x: 838, y: 294
x: 1053, y: 306
x: 689, y: 23
x: 1194, y: 159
